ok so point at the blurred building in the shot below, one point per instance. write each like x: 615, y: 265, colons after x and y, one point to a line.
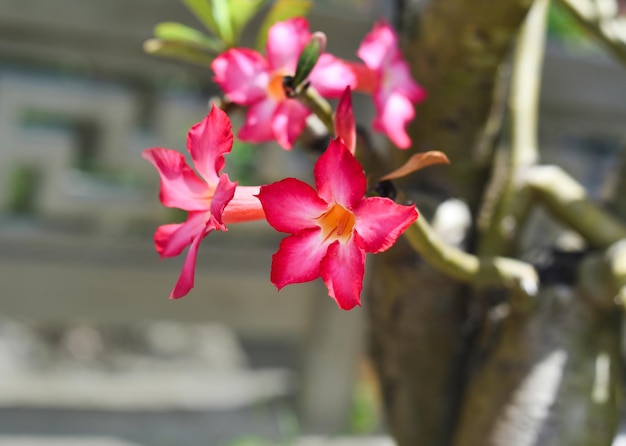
x: 79, y: 101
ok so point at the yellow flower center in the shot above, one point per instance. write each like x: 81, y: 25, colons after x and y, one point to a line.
x: 275, y: 88
x: 337, y: 223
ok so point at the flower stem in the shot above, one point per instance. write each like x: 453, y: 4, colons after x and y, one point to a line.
x: 318, y: 105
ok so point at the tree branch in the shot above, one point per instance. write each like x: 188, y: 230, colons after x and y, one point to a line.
x: 495, y: 271
x: 601, y: 20
x: 616, y: 257
x: 567, y: 201
x: 500, y: 234
x: 617, y: 202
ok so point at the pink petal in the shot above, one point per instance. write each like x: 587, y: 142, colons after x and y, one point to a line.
x: 298, y: 258
x: 208, y: 141
x: 379, y: 222
x: 186, y: 279
x: 342, y: 271
x: 291, y: 205
x: 331, y: 76
x: 245, y: 206
x: 394, y: 112
x: 258, y: 124
x: 162, y: 238
x: 289, y: 121
x: 367, y: 80
x: 339, y: 177
x: 285, y: 42
x: 224, y: 192
x: 243, y: 74
x: 398, y: 78
x: 180, y: 186
x: 170, y: 240
x: 379, y: 46
x: 345, y: 126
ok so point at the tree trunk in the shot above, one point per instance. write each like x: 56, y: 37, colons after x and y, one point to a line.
x: 546, y: 377
x: 456, y: 369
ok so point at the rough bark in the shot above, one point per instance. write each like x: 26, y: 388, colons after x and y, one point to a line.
x: 546, y: 377
x: 451, y: 372
x: 416, y: 332
x: 419, y: 318
x: 455, y: 48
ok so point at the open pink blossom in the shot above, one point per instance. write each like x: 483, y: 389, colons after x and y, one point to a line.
x: 387, y: 77
x: 252, y: 80
x: 211, y: 199
x: 331, y: 228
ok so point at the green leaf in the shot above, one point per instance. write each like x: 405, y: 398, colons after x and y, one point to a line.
x: 202, y: 10
x: 243, y: 10
x: 281, y: 10
x: 222, y: 18
x: 178, y: 51
x: 308, y: 58
x: 179, y: 33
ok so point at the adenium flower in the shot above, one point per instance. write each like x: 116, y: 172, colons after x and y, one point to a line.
x: 344, y: 122
x: 252, y: 80
x: 387, y: 77
x: 331, y: 228
x: 211, y: 199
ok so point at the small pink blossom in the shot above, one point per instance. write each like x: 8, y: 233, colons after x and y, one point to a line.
x: 387, y: 77
x: 211, y: 199
x: 331, y: 228
x: 252, y: 80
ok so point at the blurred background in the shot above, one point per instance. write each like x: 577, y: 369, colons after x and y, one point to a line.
x: 91, y: 350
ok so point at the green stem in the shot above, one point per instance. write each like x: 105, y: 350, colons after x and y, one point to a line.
x: 567, y: 201
x: 318, y: 105
x: 487, y: 271
x: 501, y: 233
x: 564, y: 198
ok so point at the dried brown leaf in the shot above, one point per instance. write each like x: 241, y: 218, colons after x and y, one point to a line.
x: 417, y: 162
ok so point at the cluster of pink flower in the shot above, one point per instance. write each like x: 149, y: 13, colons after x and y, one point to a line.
x: 330, y: 228
x: 252, y: 80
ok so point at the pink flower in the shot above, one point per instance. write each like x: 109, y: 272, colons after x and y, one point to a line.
x: 332, y: 228
x: 345, y: 124
x: 388, y: 78
x: 249, y: 79
x: 211, y: 199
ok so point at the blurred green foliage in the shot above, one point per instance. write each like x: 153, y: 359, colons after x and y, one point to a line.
x: 241, y: 163
x: 22, y: 186
x: 364, y: 416
x: 226, y: 21
x: 288, y: 427
x: 562, y: 26
x: 281, y: 10
x: 251, y: 441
